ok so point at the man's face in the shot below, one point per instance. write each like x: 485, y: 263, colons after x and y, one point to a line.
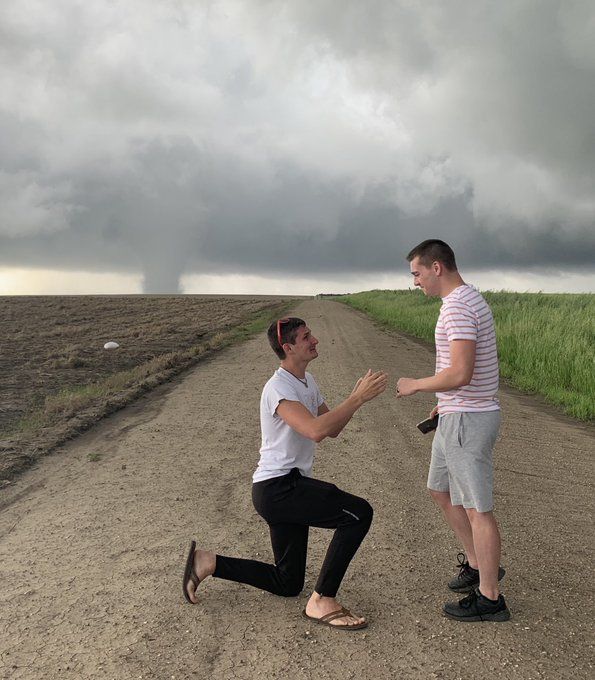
x: 305, y: 344
x: 424, y: 277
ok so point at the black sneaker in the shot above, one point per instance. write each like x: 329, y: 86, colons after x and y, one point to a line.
x: 468, y: 577
x: 476, y: 607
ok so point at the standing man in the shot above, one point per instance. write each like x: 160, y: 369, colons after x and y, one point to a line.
x: 460, y: 479
x: 293, y: 417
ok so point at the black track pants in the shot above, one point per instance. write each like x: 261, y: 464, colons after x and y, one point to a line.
x: 290, y: 505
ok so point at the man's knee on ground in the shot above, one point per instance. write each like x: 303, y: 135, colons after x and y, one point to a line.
x: 291, y: 588
x: 290, y: 585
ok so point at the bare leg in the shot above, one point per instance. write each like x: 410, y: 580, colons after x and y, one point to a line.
x: 318, y: 606
x: 486, y: 538
x: 457, y: 519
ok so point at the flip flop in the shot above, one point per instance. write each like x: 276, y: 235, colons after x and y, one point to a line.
x: 338, y: 614
x: 189, y: 574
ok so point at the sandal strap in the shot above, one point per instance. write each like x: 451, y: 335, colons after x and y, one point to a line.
x: 337, y: 614
x: 192, y: 575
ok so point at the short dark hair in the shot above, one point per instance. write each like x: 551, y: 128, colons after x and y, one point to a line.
x: 434, y: 250
x: 288, y: 330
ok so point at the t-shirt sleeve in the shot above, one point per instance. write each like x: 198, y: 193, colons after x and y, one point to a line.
x: 460, y: 322
x: 274, y: 395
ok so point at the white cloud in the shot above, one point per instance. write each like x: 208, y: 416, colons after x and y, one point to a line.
x: 15, y: 281
x: 54, y: 282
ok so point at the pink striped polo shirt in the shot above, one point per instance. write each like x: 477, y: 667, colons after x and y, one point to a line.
x: 465, y: 315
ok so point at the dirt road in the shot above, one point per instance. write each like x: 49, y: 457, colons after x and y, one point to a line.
x: 92, y: 542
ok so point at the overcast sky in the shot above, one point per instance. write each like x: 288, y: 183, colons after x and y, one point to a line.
x: 294, y: 146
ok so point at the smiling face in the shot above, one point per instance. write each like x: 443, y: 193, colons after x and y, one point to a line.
x: 304, y: 348
x: 426, y: 278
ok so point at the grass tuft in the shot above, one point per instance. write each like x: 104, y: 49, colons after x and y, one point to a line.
x: 546, y: 342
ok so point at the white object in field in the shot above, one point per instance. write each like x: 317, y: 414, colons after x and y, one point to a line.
x: 111, y: 345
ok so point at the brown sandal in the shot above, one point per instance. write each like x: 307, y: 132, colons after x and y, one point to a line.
x: 189, y: 573
x: 338, y: 614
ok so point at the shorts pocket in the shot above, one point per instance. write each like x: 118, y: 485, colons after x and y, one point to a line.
x: 461, y: 431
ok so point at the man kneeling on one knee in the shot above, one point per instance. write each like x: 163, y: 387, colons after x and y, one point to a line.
x: 293, y: 417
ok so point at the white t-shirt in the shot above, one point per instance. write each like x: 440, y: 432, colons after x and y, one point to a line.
x: 282, y: 447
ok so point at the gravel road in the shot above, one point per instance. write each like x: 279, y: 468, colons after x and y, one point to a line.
x: 92, y: 541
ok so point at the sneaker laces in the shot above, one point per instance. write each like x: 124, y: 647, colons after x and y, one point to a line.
x: 468, y: 601
x: 463, y: 564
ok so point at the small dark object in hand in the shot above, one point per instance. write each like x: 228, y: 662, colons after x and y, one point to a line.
x: 428, y: 425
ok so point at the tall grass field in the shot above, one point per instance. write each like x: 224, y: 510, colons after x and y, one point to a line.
x: 546, y: 342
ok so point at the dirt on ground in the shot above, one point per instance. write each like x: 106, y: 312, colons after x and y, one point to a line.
x: 57, y: 379
x: 93, y: 540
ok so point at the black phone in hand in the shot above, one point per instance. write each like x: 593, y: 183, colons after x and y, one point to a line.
x: 428, y: 425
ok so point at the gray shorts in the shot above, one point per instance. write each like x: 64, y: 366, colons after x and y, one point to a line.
x: 462, y: 458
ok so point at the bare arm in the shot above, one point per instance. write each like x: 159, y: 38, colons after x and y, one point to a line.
x: 330, y: 422
x: 322, y: 409
x: 458, y: 374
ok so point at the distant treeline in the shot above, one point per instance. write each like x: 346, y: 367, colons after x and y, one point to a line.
x: 546, y: 342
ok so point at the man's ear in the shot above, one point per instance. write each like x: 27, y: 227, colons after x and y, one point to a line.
x: 437, y: 267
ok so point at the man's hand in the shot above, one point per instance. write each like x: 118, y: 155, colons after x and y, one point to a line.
x: 357, y: 384
x: 406, y: 387
x: 434, y: 411
x: 330, y: 423
x: 460, y: 373
x: 370, y: 385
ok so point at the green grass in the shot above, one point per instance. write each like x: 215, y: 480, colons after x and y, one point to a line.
x: 546, y: 342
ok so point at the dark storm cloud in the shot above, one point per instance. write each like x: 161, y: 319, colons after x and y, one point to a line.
x: 296, y: 137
